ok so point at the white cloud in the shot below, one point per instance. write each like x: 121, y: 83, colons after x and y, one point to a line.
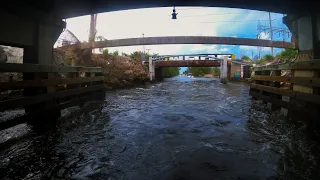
x: 263, y: 35
x: 224, y: 50
x: 192, y: 21
x: 248, y: 48
x: 200, y: 48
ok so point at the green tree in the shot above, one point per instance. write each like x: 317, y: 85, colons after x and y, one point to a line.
x: 170, y: 72
x: 287, y: 54
x: 124, y: 54
x: 199, y: 71
x: 135, y: 56
x: 115, y: 53
x: 105, y: 52
x: 266, y: 58
x: 245, y: 58
x: 216, y: 71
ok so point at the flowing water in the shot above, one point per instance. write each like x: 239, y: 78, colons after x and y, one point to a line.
x: 179, y: 129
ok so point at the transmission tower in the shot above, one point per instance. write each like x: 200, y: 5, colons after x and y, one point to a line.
x: 271, y: 32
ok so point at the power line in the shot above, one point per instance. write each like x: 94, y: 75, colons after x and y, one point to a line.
x: 187, y: 8
x: 271, y: 32
x: 222, y: 14
x: 235, y: 21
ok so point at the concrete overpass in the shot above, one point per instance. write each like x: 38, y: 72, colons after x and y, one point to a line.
x: 188, y: 63
x: 227, y: 64
x: 229, y: 67
x: 184, y: 40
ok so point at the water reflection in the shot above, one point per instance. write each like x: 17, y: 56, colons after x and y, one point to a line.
x: 40, y: 156
x: 181, y: 128
x: 298, y: 152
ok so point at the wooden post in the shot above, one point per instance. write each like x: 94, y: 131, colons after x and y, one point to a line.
x: 88, y: 74
x: 255, y: 82
x: 275, y: 84
x: 33, y: 91
x: 52, y: 106
x: 73, y: 75
x: 48, y: 109
x: 266, y: 83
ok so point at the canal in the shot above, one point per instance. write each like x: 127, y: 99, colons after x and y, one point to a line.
x: 180, y: 129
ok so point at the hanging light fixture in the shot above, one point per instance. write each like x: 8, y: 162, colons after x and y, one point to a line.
x: 174, y: 14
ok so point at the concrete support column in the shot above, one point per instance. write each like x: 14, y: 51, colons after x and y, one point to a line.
x: 35, y: 32
x: 306, y: 30
x: 224, y: 70
x: 46, y: 34
x: 151, y: 70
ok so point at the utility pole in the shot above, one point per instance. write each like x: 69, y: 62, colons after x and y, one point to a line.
x: 148, y: 51
x: 93, y: 30
x: 144, y: 51
x: 271, y: 32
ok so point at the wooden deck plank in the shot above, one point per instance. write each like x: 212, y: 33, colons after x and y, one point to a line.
x: 275, y: 90
x: 288, y: 105
x: 27, y: 101
x: 312, y: 98
x: 306, y: 65
x: 306, y: 81
x: 272, y: 67
x: 23, y: 118
x: 300, y: 65
x: 13, y: 67
x: 46, y: 82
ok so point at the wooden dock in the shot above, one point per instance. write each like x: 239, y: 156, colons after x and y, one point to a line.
x: 271, y: 86
x: 48, y: 89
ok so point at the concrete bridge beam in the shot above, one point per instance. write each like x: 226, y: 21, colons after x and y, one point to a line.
x: 305, y: 29
x: 36, y: 33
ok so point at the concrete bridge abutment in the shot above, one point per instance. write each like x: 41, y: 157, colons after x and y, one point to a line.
x: 151, y: 70
x: 305, y: 30
x: 224, y: 70
x: 36, y: 33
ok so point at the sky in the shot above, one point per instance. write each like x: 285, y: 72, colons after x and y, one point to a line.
x: 192, y: 21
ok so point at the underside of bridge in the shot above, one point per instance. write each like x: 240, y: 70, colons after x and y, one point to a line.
x: 73, y: 8
x: 35, y: 25
x: 157, y: 66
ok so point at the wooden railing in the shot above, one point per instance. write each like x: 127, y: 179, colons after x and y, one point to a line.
x: 49, y: 88
x: 289, y: 90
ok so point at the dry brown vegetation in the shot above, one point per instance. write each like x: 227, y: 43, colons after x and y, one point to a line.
x: 119, y: 71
